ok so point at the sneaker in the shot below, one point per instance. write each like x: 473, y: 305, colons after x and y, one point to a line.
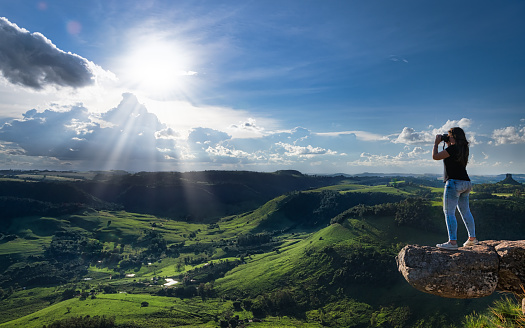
x: 471, y: 242
x: 447, y: 246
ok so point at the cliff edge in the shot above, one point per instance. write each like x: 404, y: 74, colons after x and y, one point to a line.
x: 469, y: 272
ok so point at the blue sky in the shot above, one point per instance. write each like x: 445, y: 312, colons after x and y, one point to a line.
x: 317, y: 86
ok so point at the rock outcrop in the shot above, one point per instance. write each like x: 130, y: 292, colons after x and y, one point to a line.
x: 469, y: 272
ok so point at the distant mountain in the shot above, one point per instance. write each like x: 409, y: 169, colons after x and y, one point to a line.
x: 18, y: 198
x: 510, y: 180
x: 191, y: 196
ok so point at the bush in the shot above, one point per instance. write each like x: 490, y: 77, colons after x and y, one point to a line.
x: 413, y: 212
x: 69, y: 293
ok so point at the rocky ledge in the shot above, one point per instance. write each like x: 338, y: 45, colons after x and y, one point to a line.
x: 469, y: 272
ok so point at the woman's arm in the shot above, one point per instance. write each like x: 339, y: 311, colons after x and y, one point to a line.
x: 439, y: 155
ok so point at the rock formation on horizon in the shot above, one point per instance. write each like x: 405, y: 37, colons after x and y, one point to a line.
x: 509, y: 180
x: 469, y: 272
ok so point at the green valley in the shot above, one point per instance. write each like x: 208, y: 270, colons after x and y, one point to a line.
x: 229, y: 249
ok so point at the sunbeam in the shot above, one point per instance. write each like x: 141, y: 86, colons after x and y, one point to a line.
x: 131, y: 143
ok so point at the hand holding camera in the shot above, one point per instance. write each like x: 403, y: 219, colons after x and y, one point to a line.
x: 441, y: 137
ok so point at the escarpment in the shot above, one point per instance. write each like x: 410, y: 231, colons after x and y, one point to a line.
x: 469, y: 272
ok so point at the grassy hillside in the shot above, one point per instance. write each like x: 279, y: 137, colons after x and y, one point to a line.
x: 316, y: 258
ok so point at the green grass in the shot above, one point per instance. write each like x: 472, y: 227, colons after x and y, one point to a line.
x: 34, y: 233
x: 343, y: 313
x: 127, y: 227
x: 10, y: 179
x: 499, y: 194
x: 343, y: 187
x: 402, y: 189
x: 43, y: 177
x: 356, y: 188
x: 25, y: 247
x: 167, y: 267
x: 40, y: 226
x: 268, y: 271
x: 502, y: 314
x: 126, y: 308
x: 26, y: 302
x: 252, y: 220
x: 284, y: 322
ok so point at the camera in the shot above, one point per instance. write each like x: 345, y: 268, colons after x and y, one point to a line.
x: 445, y: 137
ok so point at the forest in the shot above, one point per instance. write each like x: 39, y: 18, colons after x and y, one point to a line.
x: 232, y: 249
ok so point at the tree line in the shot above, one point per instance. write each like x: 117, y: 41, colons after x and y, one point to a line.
x: 412, y: 211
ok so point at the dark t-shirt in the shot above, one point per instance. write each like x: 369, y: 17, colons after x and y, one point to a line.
x: 453, y: 168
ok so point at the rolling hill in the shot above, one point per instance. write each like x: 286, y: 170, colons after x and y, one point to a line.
x: 323, y: 256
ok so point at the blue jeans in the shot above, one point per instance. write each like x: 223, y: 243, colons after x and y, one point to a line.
x: 456, y: 195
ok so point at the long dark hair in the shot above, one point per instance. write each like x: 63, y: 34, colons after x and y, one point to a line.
x: 461, y: 143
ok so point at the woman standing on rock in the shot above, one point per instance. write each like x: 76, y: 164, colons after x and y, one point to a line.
x: 457, y: 185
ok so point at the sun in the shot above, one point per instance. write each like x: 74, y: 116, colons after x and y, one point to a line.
x: 158, y: 68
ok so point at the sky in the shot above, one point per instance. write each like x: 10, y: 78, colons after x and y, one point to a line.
x: 311, y: 85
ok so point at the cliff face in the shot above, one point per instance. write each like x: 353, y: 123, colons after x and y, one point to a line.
x: 469, y: 272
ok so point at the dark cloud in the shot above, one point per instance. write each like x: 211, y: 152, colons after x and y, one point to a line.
x: 50, y: 133
x: 124, y: 134
x: 31, y: 60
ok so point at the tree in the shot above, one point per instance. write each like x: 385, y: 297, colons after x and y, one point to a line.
x: 413, y: 212
x: 69, y: 293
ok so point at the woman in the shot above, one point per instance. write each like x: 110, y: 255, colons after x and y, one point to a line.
x: 457, y: 186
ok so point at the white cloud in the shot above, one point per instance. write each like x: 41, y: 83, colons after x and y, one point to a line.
x: 360, y: 135
x: 129, y: 137
x: 509, y: 135
x: 307, y: 151
x: 167, y: 133
x: 410, y: 136
x: 417, y: 151
x: 184, y: 116
x: 417, y: 157
x: 222, y: 151
x: 247, y: 129
x: 463, y: 123
x: 206, y: 136
x: 396, y: 59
